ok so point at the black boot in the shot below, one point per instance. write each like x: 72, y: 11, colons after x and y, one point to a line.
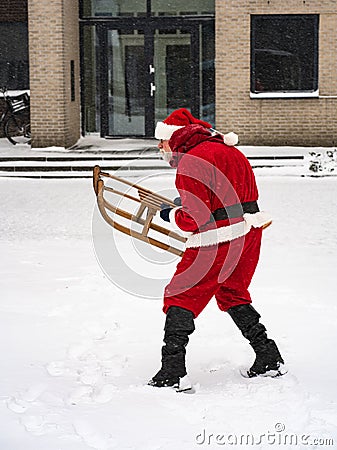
x: 268, y: 361
x: 178, y: 326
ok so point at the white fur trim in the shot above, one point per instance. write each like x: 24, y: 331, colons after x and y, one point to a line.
x: 257, y: 220
x: 231, y: 139
x: 230, y: 232
x: 164, y: 131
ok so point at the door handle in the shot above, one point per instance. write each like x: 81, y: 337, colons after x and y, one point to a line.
x: 152, y: 89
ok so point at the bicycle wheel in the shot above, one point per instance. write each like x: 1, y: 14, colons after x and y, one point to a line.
x: 17, y: 130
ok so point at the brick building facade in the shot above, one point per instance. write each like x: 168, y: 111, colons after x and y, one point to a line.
x: 96, y: 95
x: 279, y: 121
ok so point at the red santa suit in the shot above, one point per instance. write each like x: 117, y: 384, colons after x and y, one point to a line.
x: 221, y: 255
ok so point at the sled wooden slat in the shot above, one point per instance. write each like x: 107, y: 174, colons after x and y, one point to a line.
x: 155, y: 227
x: 103, y: 205
x: 122, y: 194
x: 140, y: 189
x: 150, y: 204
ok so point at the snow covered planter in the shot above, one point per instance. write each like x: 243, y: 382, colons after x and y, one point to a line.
x: 323, y: 163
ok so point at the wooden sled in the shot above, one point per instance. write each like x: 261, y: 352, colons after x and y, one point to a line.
x: 149, y: 203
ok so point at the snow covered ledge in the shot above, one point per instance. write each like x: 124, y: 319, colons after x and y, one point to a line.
x: 314, y: 94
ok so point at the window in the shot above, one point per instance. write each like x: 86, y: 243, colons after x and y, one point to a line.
x: 14, y: 66
x: 112, y: 8
x: 284, y: 54
x: 141, y: 8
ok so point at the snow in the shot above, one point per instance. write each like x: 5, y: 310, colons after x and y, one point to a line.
x: 78, y: 347
x: 15, y: 93
x: 314, y: 94
x: 93, y: 144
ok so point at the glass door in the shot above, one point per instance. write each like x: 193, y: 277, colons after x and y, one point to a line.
x: 176, y: 66
x: 127, y: 83
x: 148, y: 71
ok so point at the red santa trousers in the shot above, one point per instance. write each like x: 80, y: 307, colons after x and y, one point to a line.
x: 224, y: 270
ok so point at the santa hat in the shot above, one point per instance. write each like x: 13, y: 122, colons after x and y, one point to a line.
x: 180, y: 118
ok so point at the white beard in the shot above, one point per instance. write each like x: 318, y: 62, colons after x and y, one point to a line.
x: 167, y: 156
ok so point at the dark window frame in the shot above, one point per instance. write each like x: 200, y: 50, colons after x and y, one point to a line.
x: 253, y: 66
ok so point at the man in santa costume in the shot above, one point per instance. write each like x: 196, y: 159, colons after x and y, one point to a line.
x: 218, y: 211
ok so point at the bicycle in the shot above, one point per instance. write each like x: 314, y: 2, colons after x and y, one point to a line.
x: 15, y: 118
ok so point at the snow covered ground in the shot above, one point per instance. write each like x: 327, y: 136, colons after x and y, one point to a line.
x: 77, y: 350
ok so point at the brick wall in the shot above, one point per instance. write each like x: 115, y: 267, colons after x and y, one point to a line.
x: 53, y: 43
x: 305, y: 121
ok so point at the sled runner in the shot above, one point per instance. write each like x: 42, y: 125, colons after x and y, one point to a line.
x: 148, y: 203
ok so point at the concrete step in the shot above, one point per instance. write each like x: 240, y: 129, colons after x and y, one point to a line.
x: 26, y: 158
x: 129, y: 173
x: 81, y: 166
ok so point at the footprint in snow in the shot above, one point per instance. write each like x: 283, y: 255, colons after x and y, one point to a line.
x: 37, y: 425
x: 17, y: 405
x: 95, y: 331
x: 34, y: 392
x: 20, y: 404
x: 80, y: 395
x: 106, y: 394
x: 56, y: 368
x: 90, y: 377
x: 79, y: 351
x: 60, y: 368
x: 87, y: 394
x: 92, y: 437
x: 114, y: 367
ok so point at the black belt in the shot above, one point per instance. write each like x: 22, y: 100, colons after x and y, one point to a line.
x: 234, y: 211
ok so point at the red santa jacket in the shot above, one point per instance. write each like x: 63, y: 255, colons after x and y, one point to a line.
x: 211, y: 175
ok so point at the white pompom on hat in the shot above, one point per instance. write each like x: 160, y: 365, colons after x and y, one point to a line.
x: 182, y: 117
x: 231, y: 139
